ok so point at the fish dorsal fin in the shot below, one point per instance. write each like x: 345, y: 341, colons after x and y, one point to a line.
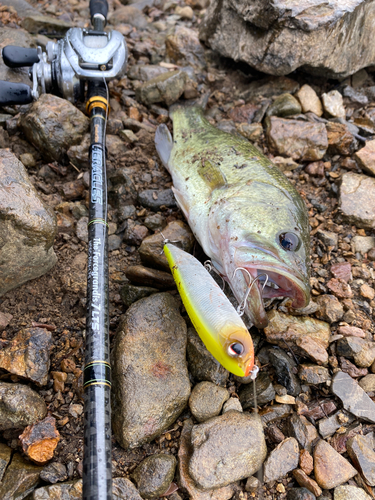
x: 212, y: 175
x: 164, y: 144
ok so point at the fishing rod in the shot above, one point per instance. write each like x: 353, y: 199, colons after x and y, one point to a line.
x: 78, y: 67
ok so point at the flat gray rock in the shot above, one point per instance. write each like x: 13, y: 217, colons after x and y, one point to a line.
x: 150, y: 380
x: 272, y: 35
x: 27, y: 227
x: 226, y: 449
x: 20, y: 406
x: 283, y: 459
x: 353, y: 397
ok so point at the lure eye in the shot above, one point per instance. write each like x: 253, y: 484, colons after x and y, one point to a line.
x: 236, y: 349
x: 289, y: 241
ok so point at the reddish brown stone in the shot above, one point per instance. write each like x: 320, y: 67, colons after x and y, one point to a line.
x: 275, y: 434
x: 40, y: 440
x: 59, y: 379
x: 319, y: 409
x: 73, y: 190
x: 352, y: 370
x: 342, y: 271
x: 244, y: 114
x: 340, y: 288
x: 340, y: 140
x: 5, y: 319
x: 306, y: 462
x: 330, y: 468
x: 306, y: 482
x: 68, y: 365
x: 351, y: 331
x: 315, y: 169
x: 338, y: 441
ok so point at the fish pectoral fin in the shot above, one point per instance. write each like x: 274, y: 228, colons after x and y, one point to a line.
x: 182, y: 203
x: 212, y: 175
x: 163, y: 144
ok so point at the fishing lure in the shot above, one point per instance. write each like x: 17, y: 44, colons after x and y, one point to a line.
x: 215, y: 319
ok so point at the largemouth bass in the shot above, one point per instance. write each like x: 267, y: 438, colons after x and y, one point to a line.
x: 246, y: 215
x: 216, y: 321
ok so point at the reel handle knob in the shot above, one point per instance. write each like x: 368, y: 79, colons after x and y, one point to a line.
x: 14, y: 93
x: 98, y: 7
x: 17, y: 57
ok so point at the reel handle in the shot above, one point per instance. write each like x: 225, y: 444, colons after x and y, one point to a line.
x: 98, y: 7
x: 18, y: 57
x: 14, y: 93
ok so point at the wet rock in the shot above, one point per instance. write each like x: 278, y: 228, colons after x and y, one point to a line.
x: 153, y: 278
x: 333, y: 104
x: 167, y: 88
x: 19, y: 406
x: 300, y: 494
x: 121, y: 191
x: 313, y: 374
x: 27, y: 227
x: 54, y: 472
x: 363, y: 457
x: 356, y: 195
x: 213, y: 464
x: 151, y: 198
x: 284, y: 105
x: 38, y: 23
x: 362, y: 244
x: 20, y: 38
x: 39, y: 440
x: 130, y: 293
x: 232, y: 404
x: 349, y: 492
x: 363, y: 351
x: 265, y: 393
x: 340, y: 140
x: 329, y: 425
x: 154, y: 475
x: 283, y: 459
x: 284, y: 328
x: 135, y: 233
x: 339, y: 440
x: 368, y: 383
x: 150, y: 380
x: 366, y: 157
x: 306, y: 462
x: 206, y: 400
x: 151, y: 249
x: 353, y: 397
x: 202, y: 365
x: 128, y: 15
x: 330, y: 309
x: 272, y: 37
x: 275, y: 412
x: 327, y: 237
x: 270, y: 87
x: 284, y: 369
x: 5, y: 454
x: 351, y: 369
x: 306, y: 482
x: 309, y: 100
x: 330, y: 468
x: 52, y: 125
x: 298, y: 140
x: 184, y: 47
x: 275, y: 434
x: 20, y: 479
x: 340, y: 288
x: 27, y: 355
x: 301, y: 429
x: 186, y: 482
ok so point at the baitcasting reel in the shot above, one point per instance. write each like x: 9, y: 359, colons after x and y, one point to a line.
x: 83, y: 55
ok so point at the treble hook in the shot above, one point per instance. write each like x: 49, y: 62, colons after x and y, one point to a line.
x: 210, y: 267
x: 242, y: 305
x: 166, y: 240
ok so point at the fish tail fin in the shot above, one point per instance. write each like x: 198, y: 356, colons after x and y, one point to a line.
x: 201, y: 103
x: 163, y: 144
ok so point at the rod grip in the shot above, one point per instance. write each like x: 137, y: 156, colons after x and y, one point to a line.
x: 14, y: 93
x: 17, y: 57
x: 98, y: 7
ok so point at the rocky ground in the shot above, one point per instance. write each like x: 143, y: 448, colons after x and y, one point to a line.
x: 183, y: 426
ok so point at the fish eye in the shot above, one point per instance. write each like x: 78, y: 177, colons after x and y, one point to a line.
x: 236, y: 349
x: 289, y: 241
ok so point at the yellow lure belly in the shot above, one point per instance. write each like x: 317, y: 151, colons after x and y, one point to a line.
x: 215, y: 319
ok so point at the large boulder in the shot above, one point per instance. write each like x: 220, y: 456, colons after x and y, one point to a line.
x: 27, y: 227
x: 279, y: 36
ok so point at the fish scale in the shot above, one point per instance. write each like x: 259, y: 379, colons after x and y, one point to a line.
x: 239, y: 207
